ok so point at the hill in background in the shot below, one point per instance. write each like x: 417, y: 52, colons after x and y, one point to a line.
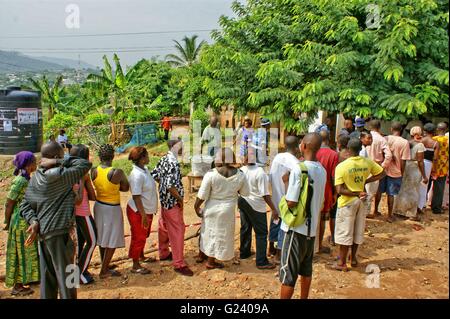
x: 11, y: 62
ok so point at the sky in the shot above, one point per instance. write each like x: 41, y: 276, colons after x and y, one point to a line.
x: 34, y: 26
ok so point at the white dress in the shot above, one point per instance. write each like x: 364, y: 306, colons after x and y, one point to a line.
x: 220, y: 195
x: 407, y: 200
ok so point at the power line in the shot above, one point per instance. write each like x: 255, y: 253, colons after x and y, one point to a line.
x: 98, y: 51
x: 89, y: 49
x: 100, y: 34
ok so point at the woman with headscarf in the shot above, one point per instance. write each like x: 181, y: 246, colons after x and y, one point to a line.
x: 22, y: 262
x: 407, y: 202
x: 219, y: 190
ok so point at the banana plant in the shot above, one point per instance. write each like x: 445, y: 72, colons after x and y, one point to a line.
x: 114, y: 84
x: 51, y: 94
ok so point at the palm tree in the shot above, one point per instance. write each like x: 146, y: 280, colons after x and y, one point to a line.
x: 187, y: 54
x: 50, y: 94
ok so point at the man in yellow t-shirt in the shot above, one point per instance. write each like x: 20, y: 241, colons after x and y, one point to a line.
x: 351, y: 176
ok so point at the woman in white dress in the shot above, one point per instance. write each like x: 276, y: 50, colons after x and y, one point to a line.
x: 220, y: 190
x: 407, y: 202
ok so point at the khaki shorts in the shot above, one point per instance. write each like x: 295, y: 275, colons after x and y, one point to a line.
x: 350, y: 223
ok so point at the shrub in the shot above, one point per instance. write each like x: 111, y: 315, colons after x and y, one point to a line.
x: 96, y: 119
x: 60, y: 121
x: 200, y: 115
x: 134, y: 116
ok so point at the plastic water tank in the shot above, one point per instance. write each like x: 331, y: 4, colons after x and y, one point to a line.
x: 20, y: 121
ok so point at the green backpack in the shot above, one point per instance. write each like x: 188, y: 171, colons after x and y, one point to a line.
x: 301, y: 213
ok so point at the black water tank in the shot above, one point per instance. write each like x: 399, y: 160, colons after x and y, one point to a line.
x: 20, y: 121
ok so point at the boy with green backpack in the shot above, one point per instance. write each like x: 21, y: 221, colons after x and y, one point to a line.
x: 300, y: 212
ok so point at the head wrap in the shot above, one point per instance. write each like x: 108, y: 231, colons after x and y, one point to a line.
x: 416, y: 130
x: 21, y: 161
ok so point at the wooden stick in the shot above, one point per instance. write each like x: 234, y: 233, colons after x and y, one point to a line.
x: 120, y: 260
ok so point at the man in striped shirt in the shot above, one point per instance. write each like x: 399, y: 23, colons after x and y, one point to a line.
x: 48, y: 207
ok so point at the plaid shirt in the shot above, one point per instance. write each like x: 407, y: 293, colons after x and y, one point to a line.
x: 49, y: 198
x: 167, y: 172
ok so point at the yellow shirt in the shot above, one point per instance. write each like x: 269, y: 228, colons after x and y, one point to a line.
x: 106, y: 192
x: 353, y: 172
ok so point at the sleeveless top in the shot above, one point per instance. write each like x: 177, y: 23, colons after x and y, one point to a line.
x: 83, y: 208
x: 429, y: 153
x: 107, y: 192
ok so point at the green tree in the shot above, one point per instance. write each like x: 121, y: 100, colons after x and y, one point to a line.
x: 187, y: 53
x: 288, y: 59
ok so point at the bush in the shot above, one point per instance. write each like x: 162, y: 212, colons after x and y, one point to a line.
x: 60, y: 121
x: 143, y: 115
x: 200, y: 115
x: 96, y: 119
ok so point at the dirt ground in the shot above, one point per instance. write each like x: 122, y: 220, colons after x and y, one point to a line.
x: 413, y: 264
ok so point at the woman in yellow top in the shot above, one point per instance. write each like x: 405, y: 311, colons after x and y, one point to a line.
x: 108, y: 183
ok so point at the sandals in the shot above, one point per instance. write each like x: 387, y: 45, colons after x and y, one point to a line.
x: 354, y: 263
x: 200, y: 259
x: 390, y: 219
x: 338, y: 267
x: 22, y: 292
x: 148, y: 260
x: 110, y: 273
x: 268, y: 266
x: 215, y: 265
x: 142, y: 271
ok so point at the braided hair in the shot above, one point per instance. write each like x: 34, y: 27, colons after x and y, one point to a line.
x: 106, y: 153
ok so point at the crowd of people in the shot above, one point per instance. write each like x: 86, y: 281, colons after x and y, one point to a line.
x: 49, y: 204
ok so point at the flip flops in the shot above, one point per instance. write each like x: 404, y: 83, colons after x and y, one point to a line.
x: 215, y: 265
x: 149, y: 260
x: 338, y: 267
x: 142, y: 271
x: 110, y: 273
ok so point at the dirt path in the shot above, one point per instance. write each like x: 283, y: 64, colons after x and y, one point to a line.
x: 413, y: 264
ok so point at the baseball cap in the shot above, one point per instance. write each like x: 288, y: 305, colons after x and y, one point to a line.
x: 359, y: 122
x: 265, y: 122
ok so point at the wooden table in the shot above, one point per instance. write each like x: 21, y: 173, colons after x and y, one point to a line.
x: 191, y: 180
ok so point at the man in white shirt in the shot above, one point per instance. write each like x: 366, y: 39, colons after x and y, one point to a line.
x: 282, y: 164
x: 298, y: 243
x: 212, y: 136
x: 63, y: 140
x: 260, y: 142
x: 253, y: 212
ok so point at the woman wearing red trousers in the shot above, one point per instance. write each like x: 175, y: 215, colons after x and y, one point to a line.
x: 141, y: 207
